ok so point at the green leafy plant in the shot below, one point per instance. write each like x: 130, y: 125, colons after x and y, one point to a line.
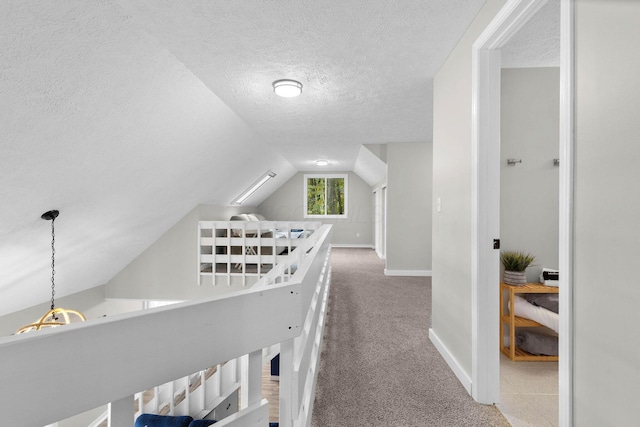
x: 516, y: 260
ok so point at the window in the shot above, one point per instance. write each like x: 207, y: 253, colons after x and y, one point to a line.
x: 325, y: 196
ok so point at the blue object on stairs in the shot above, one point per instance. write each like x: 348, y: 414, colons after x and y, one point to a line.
x: 275, y: 366
x: 153, y: 420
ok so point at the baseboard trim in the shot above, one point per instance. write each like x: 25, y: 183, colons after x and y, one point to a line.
x: 411, y: 273
x: 351, y: 245
x: 462, y: 376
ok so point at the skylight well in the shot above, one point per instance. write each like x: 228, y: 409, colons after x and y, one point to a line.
x: 253, y: 188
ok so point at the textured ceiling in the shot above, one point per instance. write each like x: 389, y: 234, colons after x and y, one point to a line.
x: 125, y: 115
x: 366, y: 66
x: 537, y: 43
x: 101, y: 122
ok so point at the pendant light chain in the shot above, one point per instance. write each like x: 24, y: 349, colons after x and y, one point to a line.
x: 56, y: 316
x: 53, y: 264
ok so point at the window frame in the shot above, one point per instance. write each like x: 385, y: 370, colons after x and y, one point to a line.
x: 326, y: 176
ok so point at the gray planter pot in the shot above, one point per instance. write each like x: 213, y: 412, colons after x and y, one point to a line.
x: 515, y: 278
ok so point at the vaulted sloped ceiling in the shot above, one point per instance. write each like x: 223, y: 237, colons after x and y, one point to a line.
x: 126, y: 114
x: 366, y: 66
x: 103, y: 123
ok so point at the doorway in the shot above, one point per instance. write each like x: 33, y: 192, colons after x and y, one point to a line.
x: 529, y: 223
x: 486, y: 60
x: 380, y: 201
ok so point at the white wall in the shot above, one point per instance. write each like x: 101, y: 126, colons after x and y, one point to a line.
x: 607, y: 211
x: 287, y: 204
x: 451, y: 283
x: 379, y: 150
x: 168, y: 268
x: 529, y: 131
x: 606, y: 362
x: 409, y: 182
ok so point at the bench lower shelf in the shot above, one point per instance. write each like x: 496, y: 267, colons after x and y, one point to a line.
x: 522, y: 356
x: 511, y: 321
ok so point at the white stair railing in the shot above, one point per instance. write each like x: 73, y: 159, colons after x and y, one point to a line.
x: 110, y: 356
x: 300, y: 357
x: 196, y: 395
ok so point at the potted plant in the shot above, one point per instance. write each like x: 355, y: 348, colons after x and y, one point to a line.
x: 515, y: 264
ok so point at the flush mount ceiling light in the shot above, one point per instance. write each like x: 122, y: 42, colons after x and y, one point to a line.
x: 56, y: 316
x: 287, y: 88
x: 322, y: 162
x: 254, y: 187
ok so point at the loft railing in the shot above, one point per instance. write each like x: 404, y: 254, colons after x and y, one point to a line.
x: 241, y: 252
x: 57, y: 373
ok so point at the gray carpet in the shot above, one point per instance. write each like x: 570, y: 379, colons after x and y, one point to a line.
x: 378, y: 366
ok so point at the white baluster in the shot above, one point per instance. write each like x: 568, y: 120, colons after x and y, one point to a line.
x: 286, y: 384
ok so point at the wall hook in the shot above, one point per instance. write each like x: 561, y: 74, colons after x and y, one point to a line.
x: 556, y: 162
x: 513, y: 162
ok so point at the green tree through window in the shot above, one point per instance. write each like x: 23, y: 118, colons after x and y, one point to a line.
x: 315, y: 196
x: 325, y: 195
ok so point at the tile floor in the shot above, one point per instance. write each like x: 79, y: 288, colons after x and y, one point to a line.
x: 529, y: 393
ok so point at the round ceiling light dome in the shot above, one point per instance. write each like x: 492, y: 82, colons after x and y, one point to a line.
x: 322, y: 162
x: 287, y: 88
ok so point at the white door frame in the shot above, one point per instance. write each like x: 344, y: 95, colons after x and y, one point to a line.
x: 485, y: 221
x: 380, y: 214
x: 384, y: 222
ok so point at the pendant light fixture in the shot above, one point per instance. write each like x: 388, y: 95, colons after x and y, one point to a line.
x: 56, y: 316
